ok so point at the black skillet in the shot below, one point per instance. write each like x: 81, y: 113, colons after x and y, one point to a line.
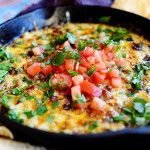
x: 128, y: 138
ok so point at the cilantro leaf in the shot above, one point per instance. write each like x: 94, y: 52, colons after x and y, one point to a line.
x: 49, y: 93
x: 80, y: 99
x: 55, y: 104
x: 93, y: 125
x: 29, y: 113
x: 14, y: 116
x: 16, y: 91
x: 41, y: 110
x: 91, y: 71
x: 81, y: 45
x: 3, y: 73
x: 27, y: 80
x: 73, y: 73
x: 58, y: 59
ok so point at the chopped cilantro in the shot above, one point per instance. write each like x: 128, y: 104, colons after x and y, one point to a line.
x: 14, y: 116
x: 50, y: 119
x: 137, y: 114
x: 73, y: 73
x: 49, y: 93
x: 34, y: 43
x: 29, y: 97
x: 3, y: 73
x: 93, y: 125
x: 27, y: 80
x: 55, y: 104
x: 58, y: 59
x: 16, y: 91
x: 48, y: 47
x: 81, y: 45
x: 5, y: 66
x: 72, y: 55
x: 71, y: 38
x: 41, y: 110
x: 60, y: 39
x: 95, y: 46
x: 91, y: 71
x: 5, y: 100
x: 29, y: 113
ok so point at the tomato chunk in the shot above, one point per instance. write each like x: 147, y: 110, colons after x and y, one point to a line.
x: 98, y: 78
x: 90, y: 89
x: 77, y: 79
x: 82, y: 69
x: 75, y: 91
x: 59, y: 69
x: 47, y: 69
x: 115, y: 82
x: 98, y: 104
x: 34, y: 69
x: 100, y: 66
x: 87, y: 52
x: 121, y: 62
x: 91, y: 60
x: 69, y: 64
x: 61, y: 81
x: 114, y: 73
x: 85, y: 63
x: 37, y: 51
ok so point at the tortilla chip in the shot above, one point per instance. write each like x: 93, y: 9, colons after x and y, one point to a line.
x: 141, y: 7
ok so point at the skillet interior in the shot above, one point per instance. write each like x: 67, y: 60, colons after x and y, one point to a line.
x: 17, y: 26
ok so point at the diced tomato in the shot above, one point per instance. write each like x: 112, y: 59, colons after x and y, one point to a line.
x: 97, y: 55
x: 37, y: 51
x: 82, y: 69
x: 104, y: 71
x: 61, y: 81
x: 47, y: 69
x: 91, y: 60
x: 34, y: 69
x: 108, y: 49
x: 98, y: 104
x: 110, y: 56
x: 77, y: 79
x: 114, y: 73
x: 104, y: 57
x: 100, y: 66
x: 75, y: 91
x: 85, y: 63
x: 116, y: 82
x: 87, y: 52
x: 98, y: 78
x: 90, y: 89
x: 59, y: 69
x: 121, y: 62
x: 69, y: 64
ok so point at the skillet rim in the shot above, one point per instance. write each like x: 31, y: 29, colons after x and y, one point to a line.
x: 127, y: 131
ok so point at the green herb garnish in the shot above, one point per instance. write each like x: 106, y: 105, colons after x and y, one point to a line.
x: 73, y: 73
x: 58, y: 59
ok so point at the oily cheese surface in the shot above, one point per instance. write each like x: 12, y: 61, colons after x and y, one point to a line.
x: 25, y: 98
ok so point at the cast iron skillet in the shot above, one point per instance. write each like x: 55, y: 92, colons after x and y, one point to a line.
x: 138, y: 137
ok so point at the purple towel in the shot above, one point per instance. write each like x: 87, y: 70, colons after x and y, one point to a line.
x: 11, y: 8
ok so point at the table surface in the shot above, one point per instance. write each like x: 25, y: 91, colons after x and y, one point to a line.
x: 141, y: 7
